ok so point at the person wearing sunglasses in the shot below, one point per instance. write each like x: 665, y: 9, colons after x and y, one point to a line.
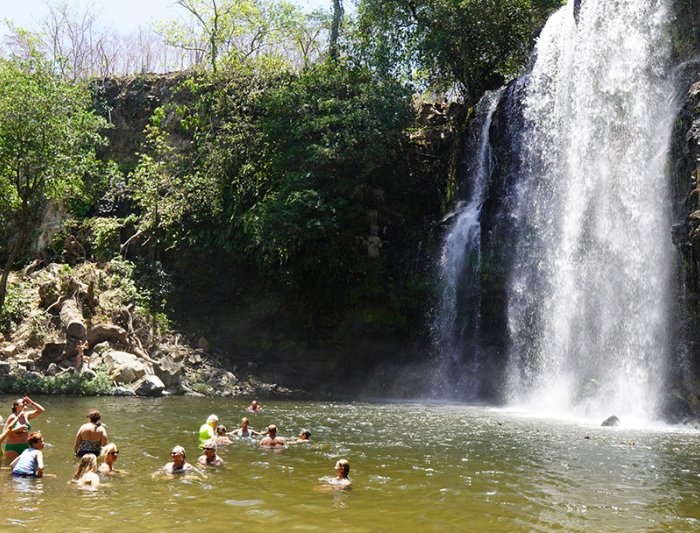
x: 110, y: 454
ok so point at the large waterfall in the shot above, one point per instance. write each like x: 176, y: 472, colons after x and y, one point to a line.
x: 589, y: 275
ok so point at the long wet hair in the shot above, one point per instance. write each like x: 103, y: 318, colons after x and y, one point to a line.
x: 88, y: 463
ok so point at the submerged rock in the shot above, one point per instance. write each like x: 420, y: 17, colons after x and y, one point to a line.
x: 611, y: 421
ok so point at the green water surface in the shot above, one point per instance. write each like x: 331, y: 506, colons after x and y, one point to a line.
x: 414, y: 467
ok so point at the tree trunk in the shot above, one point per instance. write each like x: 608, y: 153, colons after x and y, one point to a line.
x: 335, y: 29
x: 72, y: 320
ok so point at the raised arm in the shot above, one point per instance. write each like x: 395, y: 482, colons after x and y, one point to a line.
x: 38, y: 409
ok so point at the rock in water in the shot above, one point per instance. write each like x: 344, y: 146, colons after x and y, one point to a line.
x: 611, y: 421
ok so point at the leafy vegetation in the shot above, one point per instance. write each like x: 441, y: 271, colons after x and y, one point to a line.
x: 67, y: 382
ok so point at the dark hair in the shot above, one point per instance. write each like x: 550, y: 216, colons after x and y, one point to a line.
x: 15, y: 404
x: 306, y: 433
x: 94, y: 416
x: 220, y: 429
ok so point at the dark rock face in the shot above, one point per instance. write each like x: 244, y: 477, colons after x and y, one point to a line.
x: 128, y: 104
x: 685, y: 176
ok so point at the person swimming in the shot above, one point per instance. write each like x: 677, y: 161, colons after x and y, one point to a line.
x: 86, y: 475
x: 272, y: 440
x: 206, y: 430
x: 178, y: 465
x: 244, y: 432
x: 209, y: 457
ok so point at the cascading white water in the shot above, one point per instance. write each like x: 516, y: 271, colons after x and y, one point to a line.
x: 589, y: 289
x: 460, y: 263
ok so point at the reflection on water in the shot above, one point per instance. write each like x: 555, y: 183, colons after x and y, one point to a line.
x: 413, y: 467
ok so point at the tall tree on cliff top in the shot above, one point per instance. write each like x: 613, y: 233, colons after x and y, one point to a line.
x: 335, y: 29
x: 48, y: 137
x: 239, y: 31
x: 476, y: 43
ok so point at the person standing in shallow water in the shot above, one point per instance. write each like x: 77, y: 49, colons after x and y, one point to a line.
x: 17, y: 439
x: 91, y: 436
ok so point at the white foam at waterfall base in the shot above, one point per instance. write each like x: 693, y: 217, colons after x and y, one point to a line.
x: 589, y: 336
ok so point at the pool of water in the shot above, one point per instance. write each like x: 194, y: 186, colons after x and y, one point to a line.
x: 414, y: 467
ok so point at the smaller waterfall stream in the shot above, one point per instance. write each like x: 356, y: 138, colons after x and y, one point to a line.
x: 458, y: 320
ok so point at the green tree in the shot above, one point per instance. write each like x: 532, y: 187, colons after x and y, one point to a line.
x: 244, y: 31
x: 331, y: 134
x: 477, y: 43
x: 48, y: 136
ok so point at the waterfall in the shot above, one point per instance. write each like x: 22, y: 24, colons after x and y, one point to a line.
x: 457, y: 321
x: 589, y: 287
x: 577, y: 229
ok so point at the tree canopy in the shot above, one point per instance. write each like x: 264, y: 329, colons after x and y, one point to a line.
x: 48, y: 136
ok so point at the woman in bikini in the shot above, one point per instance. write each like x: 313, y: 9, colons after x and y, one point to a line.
x: 18, y: 426
x: 91, y: 436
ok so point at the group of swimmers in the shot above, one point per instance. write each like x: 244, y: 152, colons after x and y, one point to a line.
x: 23, y: 448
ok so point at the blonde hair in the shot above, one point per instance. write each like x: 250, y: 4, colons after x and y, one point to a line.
x: 88, y: 463
x: 107, y: 449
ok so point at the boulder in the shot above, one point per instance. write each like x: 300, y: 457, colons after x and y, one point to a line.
x: 150, y: 386
x: 127, y: 365
x: 106, y: 332
x: 124, y: 374
x: 168, y: 371
x: 8, y: 350
x: 611, y: 421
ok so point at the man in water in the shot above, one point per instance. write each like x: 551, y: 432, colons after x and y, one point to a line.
x: 272, y: 439
x: 209, y: 457
x: 254, y: 407
x: 178, y: 465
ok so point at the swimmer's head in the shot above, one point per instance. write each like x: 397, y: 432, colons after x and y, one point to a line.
x: 244, y: 421
x: 221, y: 430
x: 178, y: 450
x: 213, y: 420
x: 209, y: 446
x: 344, y: 466
x: 94, y: 416
x: 35, y: 438
x: 304, y: 434
x: 272, y: 429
